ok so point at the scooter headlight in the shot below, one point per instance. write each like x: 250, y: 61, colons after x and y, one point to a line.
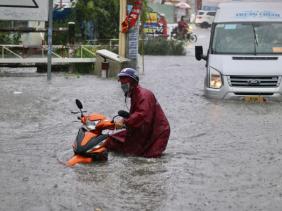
x: 91, y: 125
x: 215, y: 79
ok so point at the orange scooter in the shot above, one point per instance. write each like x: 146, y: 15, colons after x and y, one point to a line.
x: 89, y: 142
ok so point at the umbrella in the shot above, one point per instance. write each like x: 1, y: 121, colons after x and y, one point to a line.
x: 183, y: 5
x: 168, y: 3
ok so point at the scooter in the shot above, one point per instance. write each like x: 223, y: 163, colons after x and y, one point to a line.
x: 189, y: 35
x: 89, y: 142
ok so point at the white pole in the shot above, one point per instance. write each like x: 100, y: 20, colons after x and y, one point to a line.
x: 50, y: 30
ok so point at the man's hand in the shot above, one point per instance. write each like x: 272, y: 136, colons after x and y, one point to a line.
x: 119, y: 124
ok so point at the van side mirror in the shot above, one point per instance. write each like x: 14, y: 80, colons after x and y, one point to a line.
x: 199, y: 53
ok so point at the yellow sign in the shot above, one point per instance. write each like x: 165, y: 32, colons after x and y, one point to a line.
x: 152, y: 17
x: 149, y: 30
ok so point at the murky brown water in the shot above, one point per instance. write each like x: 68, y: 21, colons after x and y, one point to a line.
x: 220, y: 156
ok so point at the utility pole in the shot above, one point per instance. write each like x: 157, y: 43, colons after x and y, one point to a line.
x: 122, y: 36
x: 198, y: 5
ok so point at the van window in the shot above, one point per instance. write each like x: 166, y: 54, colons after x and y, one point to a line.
x: 201, y: 13
x: 211, y: 13
x: 247, y: 38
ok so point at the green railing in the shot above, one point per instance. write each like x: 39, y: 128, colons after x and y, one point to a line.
x: 59, y: 51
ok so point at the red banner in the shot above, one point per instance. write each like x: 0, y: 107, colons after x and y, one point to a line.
x: 132, y: 18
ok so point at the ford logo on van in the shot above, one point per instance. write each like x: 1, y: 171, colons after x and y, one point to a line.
x: 253, y: 82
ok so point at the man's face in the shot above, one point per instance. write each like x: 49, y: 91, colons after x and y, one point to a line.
x: 125, y: 85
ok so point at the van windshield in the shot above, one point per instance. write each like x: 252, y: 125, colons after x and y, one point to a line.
x: 247, y: 38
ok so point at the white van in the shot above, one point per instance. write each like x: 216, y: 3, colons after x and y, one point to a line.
x: 244, y: 58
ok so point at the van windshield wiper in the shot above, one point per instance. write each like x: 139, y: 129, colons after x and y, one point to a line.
x: 213, y: 50
x: 255, y: 39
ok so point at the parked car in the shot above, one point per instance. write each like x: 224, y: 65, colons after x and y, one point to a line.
x: 204, y: 18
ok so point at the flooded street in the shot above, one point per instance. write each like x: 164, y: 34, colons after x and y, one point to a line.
x: 220, y: 156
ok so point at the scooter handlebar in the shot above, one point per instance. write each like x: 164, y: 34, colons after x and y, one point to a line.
x: 78, y: 112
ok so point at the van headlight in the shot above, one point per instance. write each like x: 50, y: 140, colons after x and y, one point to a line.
x: 215, y: 79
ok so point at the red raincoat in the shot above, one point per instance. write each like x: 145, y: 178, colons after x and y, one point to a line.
x: 148, y: 129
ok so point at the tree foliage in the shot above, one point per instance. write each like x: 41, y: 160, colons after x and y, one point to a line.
x: 6, y: 37
x: 103, y: 14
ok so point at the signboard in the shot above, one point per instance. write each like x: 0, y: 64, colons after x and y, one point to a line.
x: 133, y: 39
x: 36, y: 10
x: 152, y: 17
x: 151, y: 24
x: 133, y: 43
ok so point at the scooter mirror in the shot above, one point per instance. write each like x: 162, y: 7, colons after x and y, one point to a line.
x: 79, y: 104
x: 123, y: 114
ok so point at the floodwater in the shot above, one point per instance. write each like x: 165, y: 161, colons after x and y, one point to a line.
x: 220, y: 156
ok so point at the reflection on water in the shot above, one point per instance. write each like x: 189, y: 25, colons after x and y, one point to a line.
x: 129, y: 183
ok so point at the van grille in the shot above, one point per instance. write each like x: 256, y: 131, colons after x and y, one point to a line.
x: 253, y: 81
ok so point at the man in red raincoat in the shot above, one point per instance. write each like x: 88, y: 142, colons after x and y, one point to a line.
x: 147, y: 128
x: 163, y: 24
x: 182, y: 27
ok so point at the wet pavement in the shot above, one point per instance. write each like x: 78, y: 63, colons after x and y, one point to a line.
x: 220, y: 156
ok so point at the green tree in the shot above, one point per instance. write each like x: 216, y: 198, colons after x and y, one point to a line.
x: 103, y: 14
x: 62, y: 37
x: 6, y: 37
